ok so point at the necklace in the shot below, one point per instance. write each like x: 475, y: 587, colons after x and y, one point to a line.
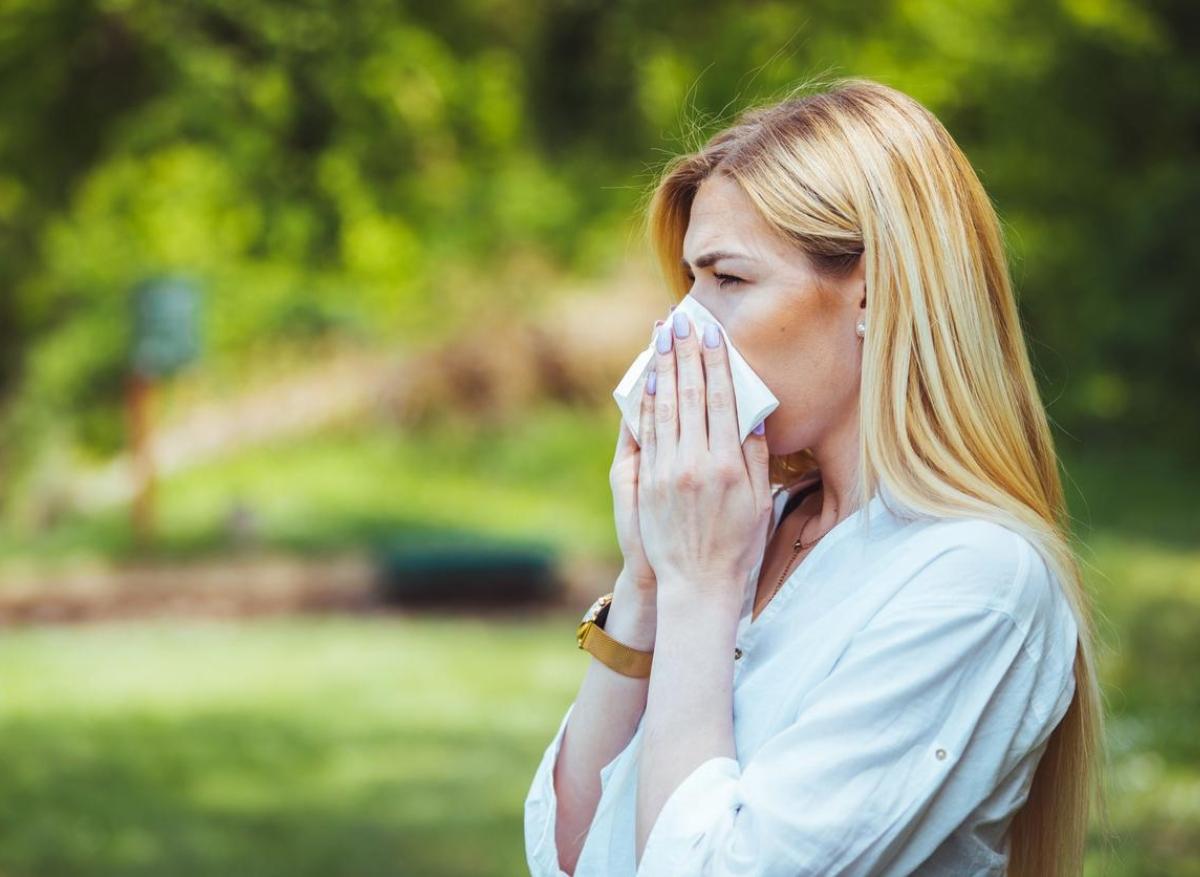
x: 797, y: 547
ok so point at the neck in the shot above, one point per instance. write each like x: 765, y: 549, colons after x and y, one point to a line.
x: 837, y: 457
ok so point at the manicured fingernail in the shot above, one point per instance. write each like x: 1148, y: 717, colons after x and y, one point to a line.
x: 664, y: 339
x: 712, y: 337
x: 654, y: 331
x: 761, y: 428
x: 652, y: 383
x: 682, y: 325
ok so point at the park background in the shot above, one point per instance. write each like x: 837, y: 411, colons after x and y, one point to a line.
x: 410, y: 236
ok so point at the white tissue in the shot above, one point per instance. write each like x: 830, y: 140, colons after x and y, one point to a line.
x: 754, y: 401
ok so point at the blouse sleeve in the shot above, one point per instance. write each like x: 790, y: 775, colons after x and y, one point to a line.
x: 924, y: 713
x: 541, y: 850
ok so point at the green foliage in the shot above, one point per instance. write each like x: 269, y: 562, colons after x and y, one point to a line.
x: 369, y: 169
x: 362, y: 169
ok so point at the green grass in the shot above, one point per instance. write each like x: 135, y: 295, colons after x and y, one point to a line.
x: 350, y: 746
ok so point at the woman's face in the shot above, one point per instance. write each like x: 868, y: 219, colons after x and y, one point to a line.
x: 798, y: 338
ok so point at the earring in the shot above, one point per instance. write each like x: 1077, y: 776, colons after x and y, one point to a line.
x: 861, y: 328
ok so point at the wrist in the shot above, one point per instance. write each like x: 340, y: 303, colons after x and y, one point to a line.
x: 636, y: 588
x: 632, y: 617
x: 698, y: 599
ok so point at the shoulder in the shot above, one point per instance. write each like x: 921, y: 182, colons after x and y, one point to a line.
x: 979, y: 564
x: 986, y: 579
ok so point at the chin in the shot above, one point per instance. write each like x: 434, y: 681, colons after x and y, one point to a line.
x: 783, y: 448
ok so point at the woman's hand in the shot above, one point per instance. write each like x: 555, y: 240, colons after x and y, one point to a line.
x: 623, y: 479
x: 704, y: 499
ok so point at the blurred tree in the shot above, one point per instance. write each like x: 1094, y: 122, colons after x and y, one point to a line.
x: 371, y: 168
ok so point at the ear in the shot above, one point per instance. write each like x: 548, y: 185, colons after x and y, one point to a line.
x: 858, y: 277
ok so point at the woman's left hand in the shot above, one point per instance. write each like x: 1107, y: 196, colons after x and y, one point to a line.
x: 704, y: 499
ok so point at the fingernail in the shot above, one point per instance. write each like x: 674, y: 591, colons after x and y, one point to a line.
x: 712, y: 337
x: 682, y: 326
x: 652, y: 383
x: 654, y: 331
x: 664, y: 340
x: 761, y: 428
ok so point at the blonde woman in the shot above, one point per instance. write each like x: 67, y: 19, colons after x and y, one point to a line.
x: 871, y: 650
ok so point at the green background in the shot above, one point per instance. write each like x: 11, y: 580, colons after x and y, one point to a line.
x: 371, y: 176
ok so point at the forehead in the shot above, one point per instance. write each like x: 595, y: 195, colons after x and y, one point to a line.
x: 723, y: 217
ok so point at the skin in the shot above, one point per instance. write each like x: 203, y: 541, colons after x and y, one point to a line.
x: 703, y: 502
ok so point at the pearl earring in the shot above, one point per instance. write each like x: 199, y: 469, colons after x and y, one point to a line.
x: 861, y: 328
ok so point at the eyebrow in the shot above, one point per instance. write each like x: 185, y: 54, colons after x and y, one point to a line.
x: 714, y: 257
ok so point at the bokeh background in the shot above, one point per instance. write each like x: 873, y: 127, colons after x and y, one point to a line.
x: 310, y: 313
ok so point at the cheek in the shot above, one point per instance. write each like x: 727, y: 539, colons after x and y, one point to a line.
x: 805, y: 364
x: 788, y: 340
x: 795, y: 344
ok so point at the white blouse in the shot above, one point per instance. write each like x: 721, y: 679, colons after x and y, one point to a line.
x: 890, y: 705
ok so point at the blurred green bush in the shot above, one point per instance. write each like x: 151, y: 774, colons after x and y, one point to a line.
x: 374, y: 171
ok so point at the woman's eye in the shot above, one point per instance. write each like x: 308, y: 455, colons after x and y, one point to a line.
x: 722, y: 279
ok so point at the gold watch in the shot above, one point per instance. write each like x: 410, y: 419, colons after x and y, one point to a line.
x: 620, y: 657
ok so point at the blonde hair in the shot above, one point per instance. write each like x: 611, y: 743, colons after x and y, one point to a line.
x: 951, y: 419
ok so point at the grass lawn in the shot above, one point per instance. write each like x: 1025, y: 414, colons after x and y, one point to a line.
x: 348, y: 746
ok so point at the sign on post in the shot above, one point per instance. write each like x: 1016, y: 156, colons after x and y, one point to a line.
x: 166, y: 337
x: 166, y: 332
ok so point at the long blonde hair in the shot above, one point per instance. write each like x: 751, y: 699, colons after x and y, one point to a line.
x: 950, y: 415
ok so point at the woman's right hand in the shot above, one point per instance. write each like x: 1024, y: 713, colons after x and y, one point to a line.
x: 623, y: 478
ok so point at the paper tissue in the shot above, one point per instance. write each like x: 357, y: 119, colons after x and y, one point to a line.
x: 754, y: 400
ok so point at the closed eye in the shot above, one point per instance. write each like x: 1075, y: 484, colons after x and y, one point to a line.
x: 722, y: 279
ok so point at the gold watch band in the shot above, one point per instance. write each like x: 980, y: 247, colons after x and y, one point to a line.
x: 592, y: 638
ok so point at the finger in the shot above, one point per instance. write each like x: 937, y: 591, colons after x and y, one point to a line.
x: 666, y: 416
x: 758, y: 459
x: 689, y: 371
x: 646, y: 429
x: 627, y: 442
x: 723, y: 439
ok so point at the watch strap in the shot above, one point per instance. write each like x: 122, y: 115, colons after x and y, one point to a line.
x: 624, y: 659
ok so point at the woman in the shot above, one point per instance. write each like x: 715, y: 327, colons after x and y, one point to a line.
x: 905, y: 681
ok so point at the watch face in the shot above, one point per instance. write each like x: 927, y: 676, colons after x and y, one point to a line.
x: 590, y: 617
x: 594, y: 609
